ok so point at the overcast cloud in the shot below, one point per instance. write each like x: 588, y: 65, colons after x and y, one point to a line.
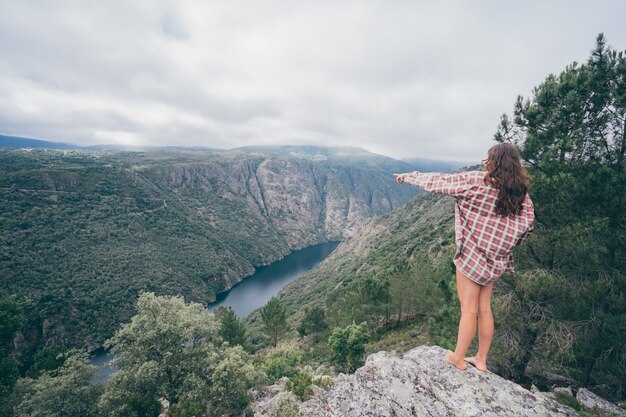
x: 400, y: 78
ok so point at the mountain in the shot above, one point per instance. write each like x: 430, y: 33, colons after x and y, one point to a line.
x: 355, y: 156
x: 348, y: 155
x: 83, y: 232
x: 19, y: 142
x: 128, y: 148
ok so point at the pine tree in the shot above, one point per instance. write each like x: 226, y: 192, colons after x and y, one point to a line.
x: 313, y: 323
x: 274, y: 317
x: 571, y: 134
x: 231, y: 329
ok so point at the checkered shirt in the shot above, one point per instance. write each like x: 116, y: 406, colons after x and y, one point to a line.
x: 484, y: 240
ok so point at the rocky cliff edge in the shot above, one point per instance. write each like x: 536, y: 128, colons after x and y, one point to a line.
x: 420, y: 383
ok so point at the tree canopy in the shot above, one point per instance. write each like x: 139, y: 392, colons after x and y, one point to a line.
x: 571, y: 134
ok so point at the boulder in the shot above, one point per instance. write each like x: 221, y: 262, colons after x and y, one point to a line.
x: 423, y: 383
x: 594, y: 402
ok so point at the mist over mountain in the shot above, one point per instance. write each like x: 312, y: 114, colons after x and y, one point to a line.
x: 312, y: 152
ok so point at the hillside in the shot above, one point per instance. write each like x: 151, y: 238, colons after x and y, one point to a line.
x: 84, y: 232
x: 424, y: 225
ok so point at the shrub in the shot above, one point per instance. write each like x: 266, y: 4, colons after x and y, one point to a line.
x: 187, y: 408
x: 282, y: 362
x: 285, y: 407
x: 348, y: 345
x: 300, y: 385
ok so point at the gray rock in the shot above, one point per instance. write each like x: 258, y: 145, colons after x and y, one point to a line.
x: 564, y: 390
x: 268, y: 398
x: 423, y: 383
x: 165, y: 405
x: 548, y: 394
x: 269, y: 407
x: 593, y: 401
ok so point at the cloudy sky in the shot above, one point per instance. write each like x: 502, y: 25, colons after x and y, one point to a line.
x: 400, y: 78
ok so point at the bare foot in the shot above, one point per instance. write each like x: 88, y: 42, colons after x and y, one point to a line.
x: 450, y: 358
x: 481, y: 366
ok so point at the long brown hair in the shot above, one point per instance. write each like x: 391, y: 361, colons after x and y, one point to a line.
x: 506, y: 173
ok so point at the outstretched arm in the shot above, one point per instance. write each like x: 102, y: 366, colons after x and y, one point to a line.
x: 457, y: 184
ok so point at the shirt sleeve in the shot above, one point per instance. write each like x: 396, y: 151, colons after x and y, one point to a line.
x: 456, y: 184
x: 530, y: 216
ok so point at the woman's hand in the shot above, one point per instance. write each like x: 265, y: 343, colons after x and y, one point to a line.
x: 399, y: 178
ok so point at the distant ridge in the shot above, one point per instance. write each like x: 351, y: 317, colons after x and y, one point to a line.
x: 112, y: 147
x: 19, y: 142
x: 310, y: 152
x: 434, y: 165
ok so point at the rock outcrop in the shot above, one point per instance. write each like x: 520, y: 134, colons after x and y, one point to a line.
x: 595, y: 402
x: 304, y: 201
x: 423, y: 383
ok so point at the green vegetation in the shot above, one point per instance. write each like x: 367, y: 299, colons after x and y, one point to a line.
x: 300, y: 384
x: 186, y: 409
x: 443, y: 325
x: 171, y: 350
x: 47, y: 359
x: 274, y: 317
x: 281, y: 361
x: 169, y: 353
x: 313, y: 323
x: 231, y: 329
x: 64, y: 392
x: 348, y: 345
x: 11, y: 320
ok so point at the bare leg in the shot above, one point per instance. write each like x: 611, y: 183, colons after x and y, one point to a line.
x: 485, y: 328
x: 468, y: 292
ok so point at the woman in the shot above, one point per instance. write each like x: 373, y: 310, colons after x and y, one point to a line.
x: 493, y: 214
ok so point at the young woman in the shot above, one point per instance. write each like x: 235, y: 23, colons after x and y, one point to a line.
x: 493, y: 214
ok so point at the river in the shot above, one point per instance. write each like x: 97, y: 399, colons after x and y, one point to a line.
x: 256, y: 290
x: 251, y: 293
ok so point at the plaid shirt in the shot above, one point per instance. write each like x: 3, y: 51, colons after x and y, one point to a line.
x: 484, y: 240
